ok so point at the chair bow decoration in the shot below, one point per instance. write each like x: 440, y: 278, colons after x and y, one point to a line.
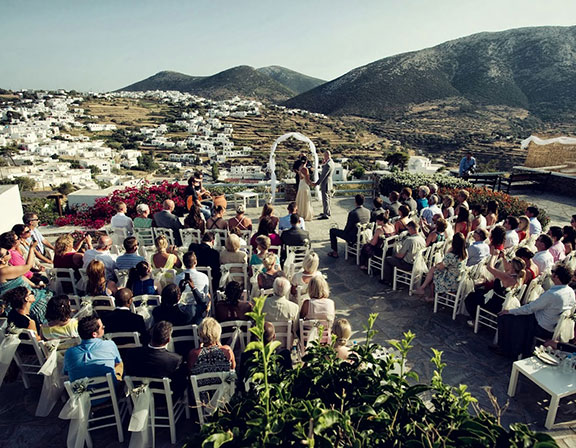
x: 52, y: 386
x: 225, y: 276
x: 8, y: 348
x: 224, y: 393
x: 144, y: 310
x: 77, y: 410
x: 86, y: 310
x: 419, y: 267
x: 142, y: 421
x: 511, y: 301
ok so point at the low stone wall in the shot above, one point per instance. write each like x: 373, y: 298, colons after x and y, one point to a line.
x: 563, y: 184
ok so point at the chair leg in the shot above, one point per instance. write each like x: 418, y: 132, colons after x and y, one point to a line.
x: 435, y: 302
x: 394, y: 279
x: 476, y: 321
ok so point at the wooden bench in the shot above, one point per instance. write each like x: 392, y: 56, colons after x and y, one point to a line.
x: 523, y: 180
x: 488, y: 180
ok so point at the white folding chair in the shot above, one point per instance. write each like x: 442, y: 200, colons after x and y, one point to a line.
x: 145, y: 236
x: 220, y: 236
x: 488, y: 319
x: 122, y: 277
x: 378, y: 261
x: 190, y: 236
x: 186, y: 335
x: 266, y: 292
x: 409, y: 278
x: 146, y: 299
x: 309, y: 332
x: 30, y: 361
x: 236, y: 332
x: 63, y: 280
x: 435, y: 253
x: 363, y: 235
x: 118, y: 235
x: 276, y: 249
x: 284, y: 333
x: 168, y: 233
x: 124, y: 339
x: 75, y: 303
x: 452, y: 299
x: 102, y: 303
x: 564, y: 330
x: 164, y: 416
x: 237, y: 272
x: 294, y: 259
x: 208, y: 271
x: 101, y: 389
x: 211, y: 391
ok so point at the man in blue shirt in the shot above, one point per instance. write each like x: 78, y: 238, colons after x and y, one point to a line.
x: 284, y: 222
x: 94, y: 356
x: 467, y: 165
x: 130, y: 259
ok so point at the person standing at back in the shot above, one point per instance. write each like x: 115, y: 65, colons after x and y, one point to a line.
x: 325, y: 183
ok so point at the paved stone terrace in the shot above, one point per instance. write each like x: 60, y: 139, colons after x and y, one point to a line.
x: 356, y: 295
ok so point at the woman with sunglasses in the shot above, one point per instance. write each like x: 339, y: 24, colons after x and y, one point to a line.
x: 21, y: 300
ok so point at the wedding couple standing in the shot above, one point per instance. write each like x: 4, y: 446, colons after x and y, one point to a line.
x: 304, y: 196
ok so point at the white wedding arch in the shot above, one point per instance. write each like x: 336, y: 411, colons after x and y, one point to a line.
x: 272, y: 161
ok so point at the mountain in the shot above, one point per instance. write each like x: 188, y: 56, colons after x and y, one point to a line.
x: 296, y: 82
x: 531, y: 68
x: 243, y: 81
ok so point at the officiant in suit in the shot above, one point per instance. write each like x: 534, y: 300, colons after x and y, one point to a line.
x: 325, y: 182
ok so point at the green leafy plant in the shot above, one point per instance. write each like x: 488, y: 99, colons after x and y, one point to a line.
x: 370, y: 400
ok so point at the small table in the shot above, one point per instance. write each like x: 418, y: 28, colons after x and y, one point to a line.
x: 550, y: 378
x: 245, y: 196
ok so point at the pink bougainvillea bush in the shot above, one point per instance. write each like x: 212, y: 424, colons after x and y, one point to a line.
x: 99, y: 214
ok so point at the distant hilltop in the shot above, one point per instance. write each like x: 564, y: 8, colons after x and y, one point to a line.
x: 530, y: 68
x: 272, y: 84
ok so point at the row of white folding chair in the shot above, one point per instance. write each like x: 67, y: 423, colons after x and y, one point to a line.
x: 208, y: 394
x: 363, y: 235
x: 376, y: 261
x: 63, y: 280
x: 489, y: 319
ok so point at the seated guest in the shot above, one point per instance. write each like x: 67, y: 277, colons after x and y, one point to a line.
x: 360, y: 215
x: 404, y: 259
x: 295, y: 236
x: 120, y: 220
x: 102, y: 252
x: 11, y: 241
x: 207, y: 256
x: 512, y: 277
x: 462, y: 201
x: 61, y: 324
x: 523, y: 228
x: 309, y: 270
x: 268, y: 211
x: 240, y: 221
x: 491, y: 214
x: 131, y: 257
x: 155, y: 361
x: 478, y: 219
x: 427, y: 213
x: 511, y: 239
x: 21, y: 300
x: 479, y: 249
x: 217, y: 221
x: 374, y: 247
x: 400, y: 224
x: 166, y: 219
x: 407, y: 199
x: 526, y: 255
x: 21, y: 253
x: 233, y: 307
x: 193, y: 195
x: 535, y: 226
x: 94, y: 356
x: 518, y: 327
x: 211, y: 356
x: 343, y: 332
x: 378, y: 207
x: 447, y: 207
x: 122, y: 319
x: 569, y: 238
x: 66, y: 255
x: 394, y: 205
x: 319, y: 306
x: 278, y: 307
x: 422, y: 201
x: 31, y: 220
x: 284, y: 222
x: 443, y: 277
x: 165, y: 257
x: 266, y: 228
x: 461, y: 224
x: 195, y: 220
x: 438, y: 232
x: 497, y: 238
x: 543, y: 258
x: 140, y: 279
x: 97, y: 285
x: 142, y: 221
x: 191, y: 276
x: 557, y: 249
x: 232, y: 254
x: 270, y: 273
x: 262, y: 249
x: 179, y: 314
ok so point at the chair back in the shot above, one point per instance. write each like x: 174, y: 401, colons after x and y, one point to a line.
x: 564, y: 330
x: 30, y: 364
x: 234, y: 272
x: 309, y: 332
x: 147, y: 299
x: 220, y: 236
x: 168, y: 233
x: 208, y: 271
x: 294, y: 259
x: 118, y: 235
x: 122, y: 277
x: 184, y: 338
x: 236, y: 334
x: 190, y: 236
x: 63, y: 280
x: 145, y: 236
x: 102, y: 303
x: 284, y: 333
x: 211, y: 391
x: 124, y: 339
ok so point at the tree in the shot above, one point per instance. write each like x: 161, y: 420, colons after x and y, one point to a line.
x: 94, y: 170
x: 215, y: 171
x: 358, y: 172
x: 398, y: 160
x: 75, y: 164
x: 146, y: 163
x: 24, y: 183
x: 66, y: 188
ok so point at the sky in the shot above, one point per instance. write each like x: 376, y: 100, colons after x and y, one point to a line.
x: 104, y: 45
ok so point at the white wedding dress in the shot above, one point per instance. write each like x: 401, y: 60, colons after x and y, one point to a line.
x: 304, y: 200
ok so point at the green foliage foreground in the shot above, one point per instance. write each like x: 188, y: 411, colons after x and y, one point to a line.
x: 327, y: 402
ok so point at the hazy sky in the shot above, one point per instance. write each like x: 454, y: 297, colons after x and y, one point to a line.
x: 103, y: 45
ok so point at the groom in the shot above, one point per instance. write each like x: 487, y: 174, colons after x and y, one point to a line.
x: 325, y: 182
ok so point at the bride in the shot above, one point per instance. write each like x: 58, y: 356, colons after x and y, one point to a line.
x: 304, y: 196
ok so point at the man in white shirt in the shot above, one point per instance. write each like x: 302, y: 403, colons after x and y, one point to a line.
x: 404, y: 259
x: 512, y: 239
x: 102, y: 252
x: 535, y: 226
x: 518, y: 327
x: 557, y: 250
x: 198, y: 279
x: 31, y: 220
x: 278, y: 308
x: 284, y: 222
x: 121, y: 221
x: 543, y: 258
